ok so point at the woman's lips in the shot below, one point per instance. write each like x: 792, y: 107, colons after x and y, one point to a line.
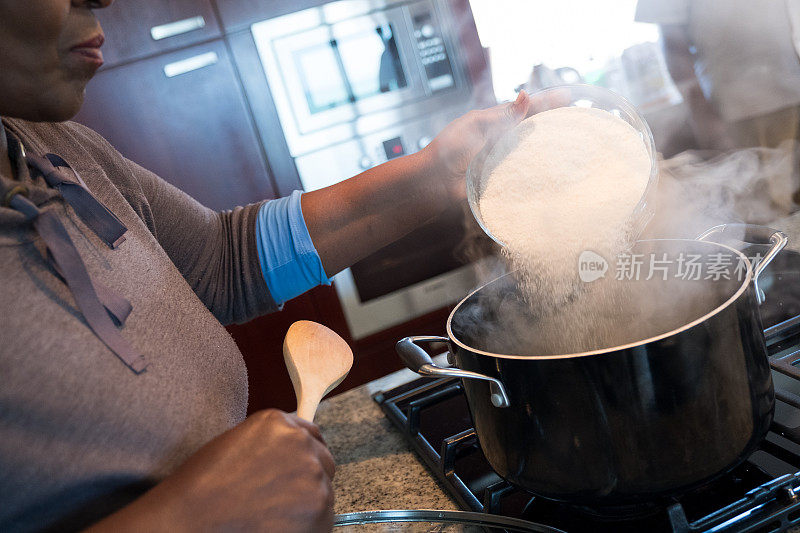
x: 90, y: 50
x: 91, y: 54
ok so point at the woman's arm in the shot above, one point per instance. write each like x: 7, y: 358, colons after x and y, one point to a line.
x: 352, y: 219
x: 215, y: 252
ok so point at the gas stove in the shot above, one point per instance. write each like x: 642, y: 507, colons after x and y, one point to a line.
x: 760, y: 495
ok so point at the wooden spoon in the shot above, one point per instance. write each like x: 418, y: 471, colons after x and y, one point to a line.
x: 317, y: 359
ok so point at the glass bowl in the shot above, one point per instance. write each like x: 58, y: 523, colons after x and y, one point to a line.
x: 576, y: 96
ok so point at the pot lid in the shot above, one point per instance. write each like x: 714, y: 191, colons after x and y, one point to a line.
x: 428, y: 520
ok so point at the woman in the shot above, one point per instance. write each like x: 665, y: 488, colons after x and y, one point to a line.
x: 123, y: 399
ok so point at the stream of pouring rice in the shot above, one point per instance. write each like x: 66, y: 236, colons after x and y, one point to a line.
x: 564, y: 182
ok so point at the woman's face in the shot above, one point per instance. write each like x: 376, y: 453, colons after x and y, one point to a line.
x: 49, y: 50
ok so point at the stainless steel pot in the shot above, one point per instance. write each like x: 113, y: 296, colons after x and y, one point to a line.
x: 683, y: 396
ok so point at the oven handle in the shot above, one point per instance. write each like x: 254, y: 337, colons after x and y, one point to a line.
x: 418, y: 360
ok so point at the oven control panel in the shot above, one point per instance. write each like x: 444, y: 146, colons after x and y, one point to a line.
x: 431, y: 48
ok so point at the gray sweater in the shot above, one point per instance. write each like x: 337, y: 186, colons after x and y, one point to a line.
x: 80, y: 434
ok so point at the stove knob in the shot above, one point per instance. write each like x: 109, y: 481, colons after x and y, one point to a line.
x: 423, y: 142
x: 365, y: 163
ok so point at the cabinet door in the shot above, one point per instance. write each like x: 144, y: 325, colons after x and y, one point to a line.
x: 147, y: 27
x: 182, y: 115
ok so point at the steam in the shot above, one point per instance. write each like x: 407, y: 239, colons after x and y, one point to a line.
x: 695, y: 192
x: 752, y: 185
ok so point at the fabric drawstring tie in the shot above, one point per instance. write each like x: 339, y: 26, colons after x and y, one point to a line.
x: 118, y: 308
x: 56, y: 172
x: 71, y: 268
x: 102, y: 308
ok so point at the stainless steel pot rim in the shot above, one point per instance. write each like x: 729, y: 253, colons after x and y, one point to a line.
x: 742, y: 288
x: 434, y: 515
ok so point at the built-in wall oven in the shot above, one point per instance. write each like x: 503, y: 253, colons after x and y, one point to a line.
x: 356, y: 83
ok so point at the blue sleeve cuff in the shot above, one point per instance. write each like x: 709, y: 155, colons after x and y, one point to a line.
x: 289, y: 262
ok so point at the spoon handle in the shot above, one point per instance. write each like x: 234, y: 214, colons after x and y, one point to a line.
x: 307, y: 407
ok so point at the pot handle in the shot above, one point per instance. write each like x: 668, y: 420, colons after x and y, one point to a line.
x: 753, y: 234
x: 418, y: 360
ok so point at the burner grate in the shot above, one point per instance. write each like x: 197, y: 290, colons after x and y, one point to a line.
x: 748, y: 499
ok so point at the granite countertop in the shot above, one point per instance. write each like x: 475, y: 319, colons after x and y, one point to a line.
x: 375, y: 467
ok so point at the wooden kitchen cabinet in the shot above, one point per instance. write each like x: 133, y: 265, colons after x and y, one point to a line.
x: 193, y: 129
x: 147, y: 27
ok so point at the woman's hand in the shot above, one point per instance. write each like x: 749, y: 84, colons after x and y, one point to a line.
x: 451, y: 152
x: 273, y: 472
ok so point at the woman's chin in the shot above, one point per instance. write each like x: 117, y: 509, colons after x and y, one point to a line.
x: 54, y: 109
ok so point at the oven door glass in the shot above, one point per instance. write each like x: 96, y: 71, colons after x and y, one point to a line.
x: 323, y: 85
x: 335, y: 74
x: 350, y: 69
x: 372, y: 62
